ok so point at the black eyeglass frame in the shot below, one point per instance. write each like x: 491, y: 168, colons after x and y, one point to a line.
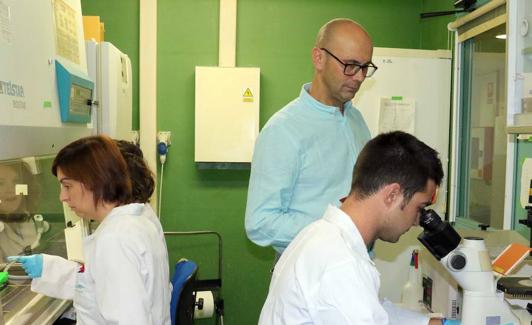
x: 358, y: 66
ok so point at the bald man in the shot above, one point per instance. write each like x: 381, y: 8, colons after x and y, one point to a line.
x: 305, y: 153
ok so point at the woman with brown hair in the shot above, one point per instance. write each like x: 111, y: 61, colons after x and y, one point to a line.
x: 125, y: 278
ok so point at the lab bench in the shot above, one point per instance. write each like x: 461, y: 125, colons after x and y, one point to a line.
x: 22, y: 306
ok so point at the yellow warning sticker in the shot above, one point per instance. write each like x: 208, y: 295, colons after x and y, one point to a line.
x: 247, y: 97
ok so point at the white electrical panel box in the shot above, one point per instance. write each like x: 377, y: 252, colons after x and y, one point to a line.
x: 227, y: 114
x: 111, y: 71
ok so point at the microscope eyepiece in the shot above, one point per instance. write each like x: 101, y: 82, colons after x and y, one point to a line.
x: 429, y: 219
x: 438, y: 236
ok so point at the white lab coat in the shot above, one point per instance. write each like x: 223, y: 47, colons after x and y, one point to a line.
x: 58, y: 278
x: 126, y: 277
x: 326, y: 276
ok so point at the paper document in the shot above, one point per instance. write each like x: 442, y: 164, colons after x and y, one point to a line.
x: 397, y: 114
x: 66, y: 30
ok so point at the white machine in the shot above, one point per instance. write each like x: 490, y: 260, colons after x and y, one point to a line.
x: 469, y: 264
x: 111, y: 71
x: 44, y: 87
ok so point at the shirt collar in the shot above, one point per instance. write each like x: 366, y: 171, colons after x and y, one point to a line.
x: 134, y: 209
x: 313, y: 102
x: 349, y: 231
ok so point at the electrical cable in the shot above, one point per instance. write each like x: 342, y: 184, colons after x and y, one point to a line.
x: 162, y: 149
x: 160, y: 191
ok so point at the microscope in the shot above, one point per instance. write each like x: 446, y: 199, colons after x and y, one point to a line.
x: 470, y: 265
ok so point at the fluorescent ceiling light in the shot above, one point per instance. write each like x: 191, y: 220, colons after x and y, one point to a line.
x: 501, y: 36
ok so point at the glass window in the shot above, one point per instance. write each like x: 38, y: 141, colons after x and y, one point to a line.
x: 29, y: 191
x: 483, y: 133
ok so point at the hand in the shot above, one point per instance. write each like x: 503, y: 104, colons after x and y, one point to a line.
x: 32, y: 264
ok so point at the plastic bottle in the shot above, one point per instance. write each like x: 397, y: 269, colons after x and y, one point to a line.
x: 411, y: 294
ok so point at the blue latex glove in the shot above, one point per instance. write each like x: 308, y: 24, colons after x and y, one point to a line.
x: 452, y: 322
x: 32, y: 264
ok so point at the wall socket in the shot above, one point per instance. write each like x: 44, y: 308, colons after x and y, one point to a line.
x: 164, y: 136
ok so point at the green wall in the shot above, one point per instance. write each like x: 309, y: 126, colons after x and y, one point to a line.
x: 277, y: 36
x: 121, y: 19
x: 434, y: 34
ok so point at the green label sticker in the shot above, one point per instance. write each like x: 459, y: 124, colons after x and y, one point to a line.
x: 397, y: 97
x: 47, y: 104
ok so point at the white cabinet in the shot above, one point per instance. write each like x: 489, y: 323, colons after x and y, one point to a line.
x: 227, y: 114
x: 520, y: 66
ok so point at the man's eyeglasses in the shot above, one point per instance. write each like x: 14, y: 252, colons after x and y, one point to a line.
x: 351, y: 69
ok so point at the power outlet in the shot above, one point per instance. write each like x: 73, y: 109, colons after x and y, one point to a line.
x: 164, y: 136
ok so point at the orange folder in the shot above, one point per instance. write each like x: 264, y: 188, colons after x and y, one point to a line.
x: 510, y: 257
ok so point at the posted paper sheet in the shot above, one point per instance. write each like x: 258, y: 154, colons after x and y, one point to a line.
x: 397, y: 114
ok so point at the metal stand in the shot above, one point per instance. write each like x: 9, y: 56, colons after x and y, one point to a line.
x: 208, y: 284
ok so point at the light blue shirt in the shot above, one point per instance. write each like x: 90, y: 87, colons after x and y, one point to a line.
x: 303, y: 161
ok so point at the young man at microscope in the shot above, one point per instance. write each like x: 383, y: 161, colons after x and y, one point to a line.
x: 326, y: 276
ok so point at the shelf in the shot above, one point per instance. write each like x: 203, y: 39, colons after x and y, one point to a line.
x: 519, y: 129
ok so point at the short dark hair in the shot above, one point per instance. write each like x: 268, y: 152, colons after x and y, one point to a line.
x: 395, y: 157
x: 97, y: 163
x: 142, y: 180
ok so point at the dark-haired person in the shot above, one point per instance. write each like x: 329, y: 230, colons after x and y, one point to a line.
x: 125, y: 279
x: 142, y: 178
x: 326, y: 276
